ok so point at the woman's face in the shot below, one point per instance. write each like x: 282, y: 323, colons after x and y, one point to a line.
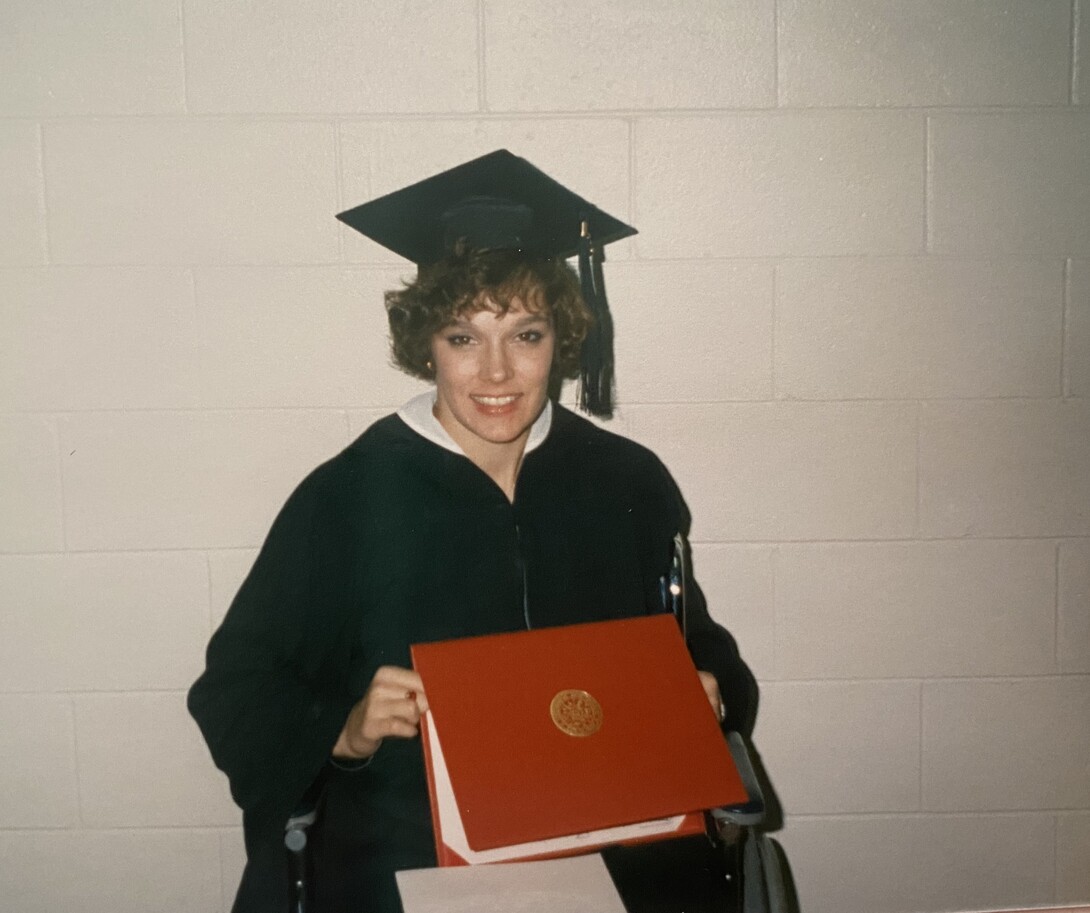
x: 492, y: 376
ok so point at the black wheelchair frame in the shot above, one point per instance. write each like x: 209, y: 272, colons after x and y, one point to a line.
x: 754, y: 861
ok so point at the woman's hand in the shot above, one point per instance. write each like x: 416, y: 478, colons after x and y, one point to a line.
x: 391, y: 707
x: 711, y: 689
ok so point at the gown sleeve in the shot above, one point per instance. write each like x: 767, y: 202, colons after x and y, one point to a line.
x: 270, y: 702
x: 712, y: 647
x: 714, y: 650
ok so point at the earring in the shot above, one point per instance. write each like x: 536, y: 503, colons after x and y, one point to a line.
x: 429, y: 365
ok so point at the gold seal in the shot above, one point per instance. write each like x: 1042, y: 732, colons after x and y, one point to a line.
x: 576, y: 713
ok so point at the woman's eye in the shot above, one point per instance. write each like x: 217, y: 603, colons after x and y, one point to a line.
x: 459, y: 339
x: 531, y: 336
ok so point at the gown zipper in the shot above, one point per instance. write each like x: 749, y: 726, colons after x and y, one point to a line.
x: 522, y: 570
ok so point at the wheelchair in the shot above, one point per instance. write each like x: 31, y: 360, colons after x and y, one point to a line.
x: 751, y: 863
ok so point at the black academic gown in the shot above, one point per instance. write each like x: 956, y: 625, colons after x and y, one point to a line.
x: 397, y: 541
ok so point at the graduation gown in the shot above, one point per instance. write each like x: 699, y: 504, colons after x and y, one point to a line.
x: 396, y: 541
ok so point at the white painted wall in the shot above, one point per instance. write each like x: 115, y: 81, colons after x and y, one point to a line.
x: 856, y: 324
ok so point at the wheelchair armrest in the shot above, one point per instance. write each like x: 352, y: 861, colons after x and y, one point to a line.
x: 305, y: 814
x: 295, y: 831
x: 748, y: 813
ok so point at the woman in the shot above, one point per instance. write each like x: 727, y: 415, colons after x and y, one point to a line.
x: 479, y: 507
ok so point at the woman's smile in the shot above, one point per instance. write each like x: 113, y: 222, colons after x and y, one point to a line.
x: 495, y: 405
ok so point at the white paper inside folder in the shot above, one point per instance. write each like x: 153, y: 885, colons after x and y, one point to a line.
x: 574, y: 884
x: 452, y: 830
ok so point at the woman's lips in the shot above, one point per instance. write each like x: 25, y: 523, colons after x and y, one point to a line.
x: 495, y: 405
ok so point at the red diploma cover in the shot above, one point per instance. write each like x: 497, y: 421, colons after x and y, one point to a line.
x: 563, y: 740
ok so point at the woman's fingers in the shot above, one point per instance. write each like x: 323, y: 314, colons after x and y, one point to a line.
x: 421, y: 701
x: 394, y: 727
x: 396, y: 682
x: 711, y: 690
x: 390, y: 708
x: 390, y: 716
x: 398, y: 679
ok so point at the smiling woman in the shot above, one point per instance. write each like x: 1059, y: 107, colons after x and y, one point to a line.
x: 482, y: 506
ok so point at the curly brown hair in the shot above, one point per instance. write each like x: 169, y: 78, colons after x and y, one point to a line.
x: 470, y: 280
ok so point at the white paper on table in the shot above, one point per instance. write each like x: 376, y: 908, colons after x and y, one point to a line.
x: 574, y: 884
x: 452, y: 831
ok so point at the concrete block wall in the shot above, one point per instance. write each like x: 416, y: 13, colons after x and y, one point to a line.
x: 856, y: 325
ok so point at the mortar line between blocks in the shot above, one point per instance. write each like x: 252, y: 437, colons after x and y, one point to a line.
x: 630, y: 123
x: 482, y: 88
x: 775, y: 559
x: 185, y: 61
x: 80, y: 815
x: 919, y: 749
x: 338, y: 174
x: 928, y: 186
x: 918, y: 519
x: 774, y: 391
x: 199, y: 343
x: 941, y: 814
x: 208, y: 584
x: 1056, y: 609
x: 62, y: 489
x: 776, y: 53
x: 382, y: 116
x: 220, y: 837
x: 1076, y: 63
x: 1055, y: 859
x: 1065, y: 308
x: 44, y: 238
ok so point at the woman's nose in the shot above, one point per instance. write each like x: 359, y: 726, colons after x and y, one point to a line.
x: 497, y: 363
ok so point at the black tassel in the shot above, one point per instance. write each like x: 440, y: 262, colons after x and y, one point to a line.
x: 596, y: 357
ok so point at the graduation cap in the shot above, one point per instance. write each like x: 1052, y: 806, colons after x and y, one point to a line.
x: 501, y: 202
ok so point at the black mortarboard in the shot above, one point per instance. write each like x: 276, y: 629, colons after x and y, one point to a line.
x: 500, y: 201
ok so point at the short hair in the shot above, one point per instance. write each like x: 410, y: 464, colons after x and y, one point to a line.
x: 469, y: 280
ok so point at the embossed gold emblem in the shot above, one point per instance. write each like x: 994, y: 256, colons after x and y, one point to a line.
x: 576, y: 713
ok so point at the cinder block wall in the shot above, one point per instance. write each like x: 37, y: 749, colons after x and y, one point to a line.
x: 856, y: 324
